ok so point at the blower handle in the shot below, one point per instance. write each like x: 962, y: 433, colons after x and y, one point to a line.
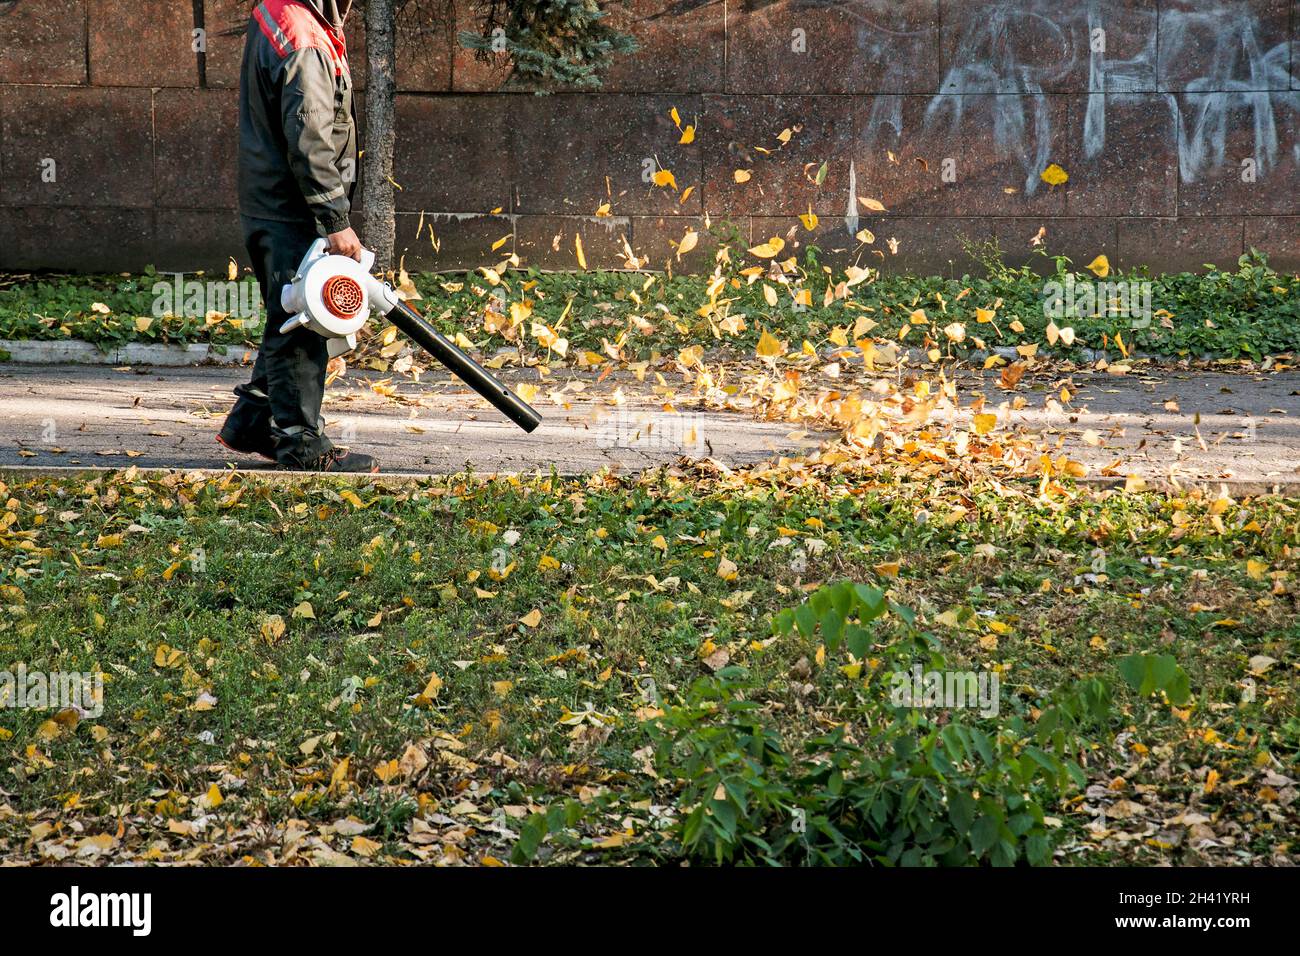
x: 465, y: 368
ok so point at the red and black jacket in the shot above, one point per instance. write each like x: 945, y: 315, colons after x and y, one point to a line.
x: 297, y: 136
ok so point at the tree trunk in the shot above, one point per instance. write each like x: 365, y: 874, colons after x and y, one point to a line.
x: 380, y: 222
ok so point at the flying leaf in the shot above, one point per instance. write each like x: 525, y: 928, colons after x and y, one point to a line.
x: 769, y: 249
x: 1100, y: 267
x: 664, y: 178
x: 1054, y: 175
x: 769, y: 346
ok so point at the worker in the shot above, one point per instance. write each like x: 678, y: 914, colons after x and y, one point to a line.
x: 297, y: 172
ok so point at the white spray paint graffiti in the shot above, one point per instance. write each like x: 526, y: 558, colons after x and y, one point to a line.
x: 1022, y: 51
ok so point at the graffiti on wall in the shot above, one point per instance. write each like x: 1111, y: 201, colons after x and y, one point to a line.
x: 1235, y: 105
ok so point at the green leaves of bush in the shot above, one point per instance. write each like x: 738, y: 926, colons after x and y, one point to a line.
x: 1148, y: 673
x: 894, y: 785
x: 946, y: 789
x: 842, y: 611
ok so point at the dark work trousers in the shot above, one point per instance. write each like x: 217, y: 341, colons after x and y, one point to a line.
x: 288, y: 385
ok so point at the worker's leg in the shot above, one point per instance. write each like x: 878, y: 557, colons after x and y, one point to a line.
x: 248, y: 426
x: 288, y: 383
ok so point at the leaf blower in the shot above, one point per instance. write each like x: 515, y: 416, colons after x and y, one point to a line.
x: 333, y: 296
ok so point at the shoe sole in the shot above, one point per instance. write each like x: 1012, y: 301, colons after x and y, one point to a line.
x: 308, y: 471
x: 327, y: 471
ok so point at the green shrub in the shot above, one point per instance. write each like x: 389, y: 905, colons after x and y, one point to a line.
x: 908, y: 787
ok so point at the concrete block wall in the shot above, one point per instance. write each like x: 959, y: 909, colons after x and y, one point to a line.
x: 1178, y: 122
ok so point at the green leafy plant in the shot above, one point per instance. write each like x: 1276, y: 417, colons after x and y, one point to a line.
x: 918, y: 789
x: 1148, y: 673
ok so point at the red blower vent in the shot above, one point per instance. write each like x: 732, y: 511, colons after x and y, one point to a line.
x: 343, y: 296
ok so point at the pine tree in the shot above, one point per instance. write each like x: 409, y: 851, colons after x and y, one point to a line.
x: 548, y: 41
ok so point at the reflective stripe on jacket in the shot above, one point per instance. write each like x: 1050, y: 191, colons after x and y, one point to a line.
x: 297, y: 138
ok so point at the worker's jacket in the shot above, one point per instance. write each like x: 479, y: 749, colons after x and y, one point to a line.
x: 297, y: 138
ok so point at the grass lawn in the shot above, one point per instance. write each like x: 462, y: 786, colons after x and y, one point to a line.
x: 592, y: 317
x: 327, y: 673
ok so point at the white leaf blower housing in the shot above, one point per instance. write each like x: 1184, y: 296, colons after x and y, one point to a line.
x: 333, y: 296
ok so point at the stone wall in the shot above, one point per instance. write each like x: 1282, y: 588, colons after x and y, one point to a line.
x: 1176, y: 121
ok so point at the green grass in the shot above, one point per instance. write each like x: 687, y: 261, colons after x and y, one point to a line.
x: 400, y: 583
x: 1248, y: 312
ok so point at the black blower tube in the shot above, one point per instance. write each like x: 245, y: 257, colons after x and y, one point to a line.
x: 464, y: 367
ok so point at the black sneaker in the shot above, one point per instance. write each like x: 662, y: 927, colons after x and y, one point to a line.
x: 336, y: 460
x: 246, y: 446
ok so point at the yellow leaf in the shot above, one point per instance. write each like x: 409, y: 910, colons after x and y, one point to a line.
x: 1054, y: 175
x: 1100, y: 266
x: 769, y: 249
x: 577, y: 245
x: 362, y: 846
x: 659, y: 542
x: 386, y: 770
x: 272, y: 628
x: 532, y: 618
x: 727, y: 569
x: 213, y: 798
x: 688, y: 136
x: 809, y: 220
x: 688, y: 242
x: 431, y: 689
x: 984, y: 423
x: 741, y: 175
x: 166, y: 656
x: 769, y: 346
x: 340, y: 774
x: 664, y: 178
x: 305, y: 610
x: 875, y: 205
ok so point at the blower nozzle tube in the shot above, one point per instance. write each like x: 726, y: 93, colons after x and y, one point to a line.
x: 463, y: 367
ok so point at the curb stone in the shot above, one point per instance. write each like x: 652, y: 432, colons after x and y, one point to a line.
x: 74, y: 352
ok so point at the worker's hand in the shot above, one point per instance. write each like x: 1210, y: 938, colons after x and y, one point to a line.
x: 345, y: 243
